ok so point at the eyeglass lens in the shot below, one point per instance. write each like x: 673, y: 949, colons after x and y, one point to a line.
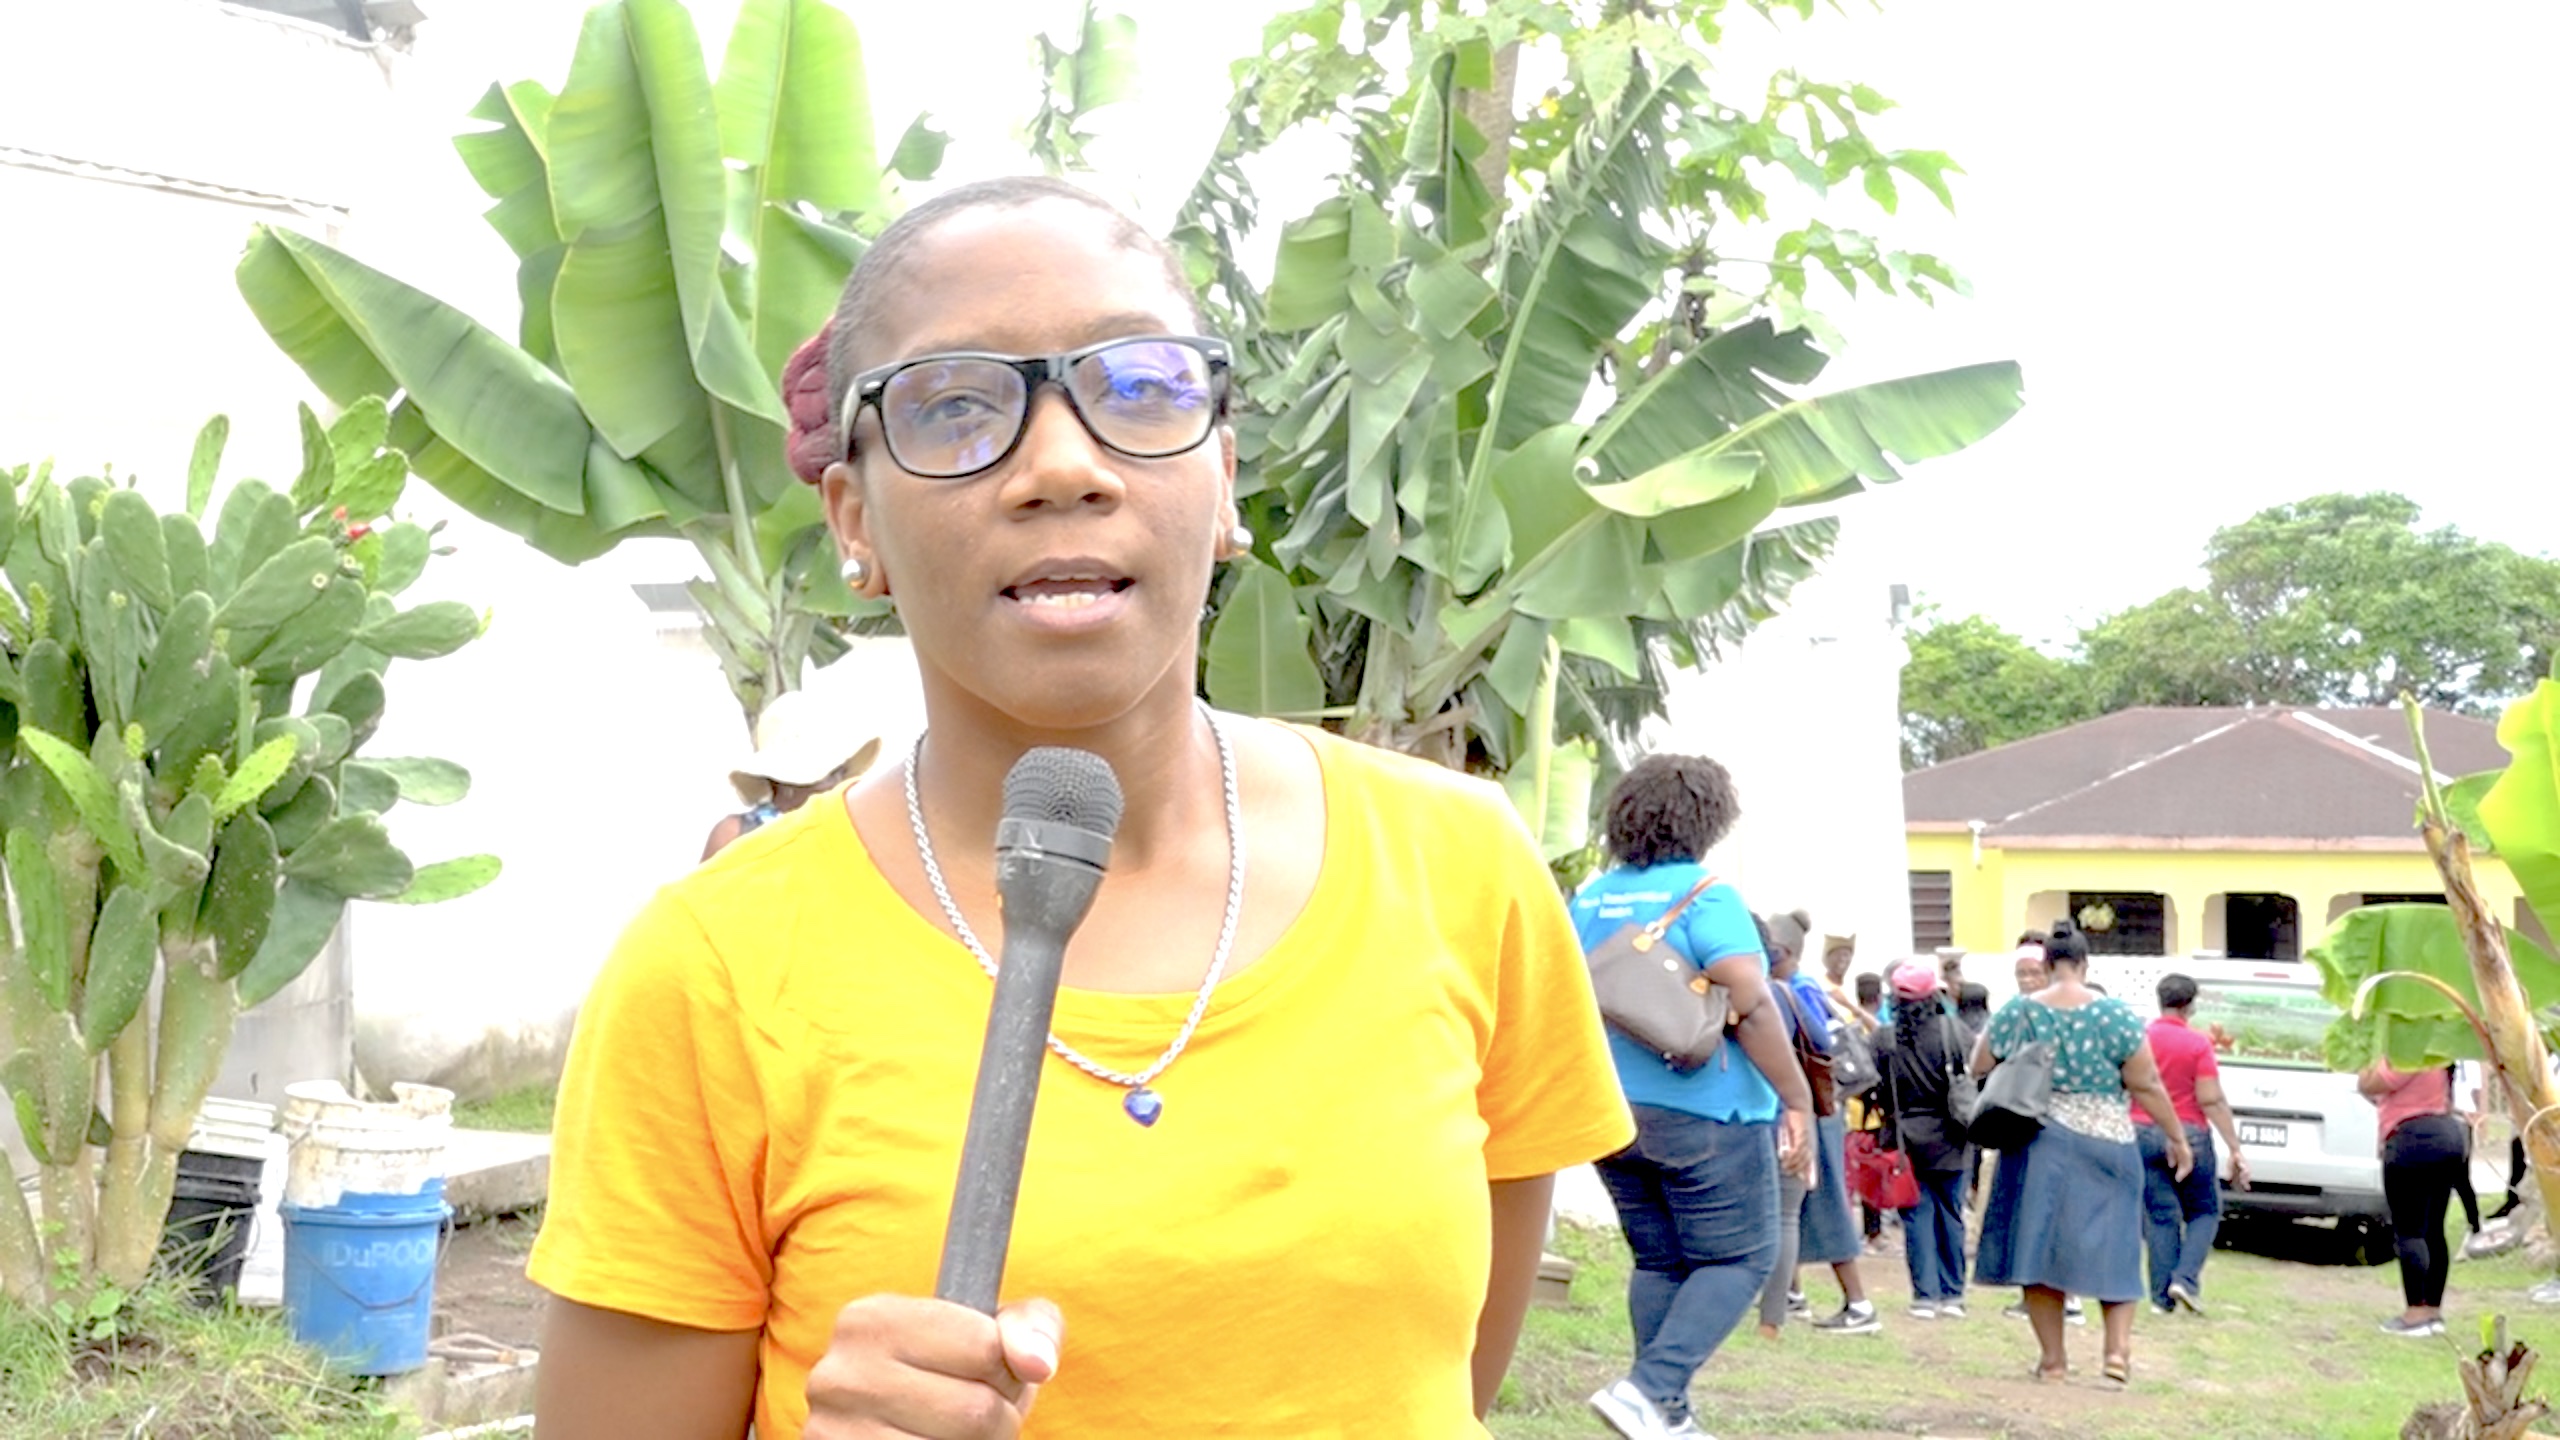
x: 957, y: 416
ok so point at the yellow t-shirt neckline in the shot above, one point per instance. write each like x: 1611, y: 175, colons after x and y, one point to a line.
x: 1121, y: 1018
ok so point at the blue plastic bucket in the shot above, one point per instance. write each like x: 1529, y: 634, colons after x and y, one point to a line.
x: 360, y: 1277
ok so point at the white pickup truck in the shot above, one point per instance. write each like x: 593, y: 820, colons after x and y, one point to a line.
x: 2309, y: 1137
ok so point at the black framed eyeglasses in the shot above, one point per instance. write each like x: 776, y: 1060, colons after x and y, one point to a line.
x: 948, y: 417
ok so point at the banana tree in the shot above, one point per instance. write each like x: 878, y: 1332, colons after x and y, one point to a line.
x: 183, y: 802
x: 676, y: 239
x: 1100, y: 69
x: 1517, y: 443
x: 2426, y: 985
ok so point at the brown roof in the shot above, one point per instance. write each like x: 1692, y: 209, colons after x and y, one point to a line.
x: 2342, y: 774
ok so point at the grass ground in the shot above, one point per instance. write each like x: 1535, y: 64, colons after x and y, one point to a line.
x: 2287, y: 1351
x: 167, y: 1371
x: 527, y: 1110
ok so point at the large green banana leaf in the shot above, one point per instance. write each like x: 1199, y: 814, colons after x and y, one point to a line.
x: 2522, y: 810
x: 518, y: 451
x: 797, y: 135
x: 676, y: 240
x: 1257, y: 660
x: 2413, y: 1024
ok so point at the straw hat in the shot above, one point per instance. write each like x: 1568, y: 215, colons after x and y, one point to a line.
x: 798, y: 742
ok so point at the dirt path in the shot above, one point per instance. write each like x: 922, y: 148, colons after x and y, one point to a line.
x: 481, y: 1288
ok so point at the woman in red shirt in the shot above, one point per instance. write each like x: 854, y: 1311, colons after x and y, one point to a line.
x: 2424, y: 1150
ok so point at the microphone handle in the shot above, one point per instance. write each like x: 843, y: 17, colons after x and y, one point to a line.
x: 1009, y: 1064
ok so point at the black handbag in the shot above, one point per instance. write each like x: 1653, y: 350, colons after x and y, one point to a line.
x: 2012, y: 1104
x: 1649, y: 991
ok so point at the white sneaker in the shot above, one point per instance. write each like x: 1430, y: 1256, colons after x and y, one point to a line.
x: 1628, y: 1411
x: 1924, y: 1312
x: 1687, y: 1429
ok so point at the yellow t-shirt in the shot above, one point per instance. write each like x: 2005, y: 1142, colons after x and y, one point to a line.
x: 762, y: 1115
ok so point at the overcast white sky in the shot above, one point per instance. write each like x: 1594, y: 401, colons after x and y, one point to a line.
x: 2247, y: 250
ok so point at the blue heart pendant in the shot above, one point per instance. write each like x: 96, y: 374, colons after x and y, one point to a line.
x: 1144, y: 1105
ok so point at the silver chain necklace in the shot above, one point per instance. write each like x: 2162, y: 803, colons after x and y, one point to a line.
x: 1141, y: 1102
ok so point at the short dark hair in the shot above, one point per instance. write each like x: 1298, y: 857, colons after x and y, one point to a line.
x: 1972, y: 1000
x: 2177, y: 992
x: 1870, y: 988
x: 1669, y: 808
x: 2066, y: 945
x: 858, y: 308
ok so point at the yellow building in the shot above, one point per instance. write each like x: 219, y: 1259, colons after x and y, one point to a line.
x: 2194, y: 831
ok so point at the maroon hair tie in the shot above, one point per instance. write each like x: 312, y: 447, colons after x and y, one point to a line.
x: 813, y: 445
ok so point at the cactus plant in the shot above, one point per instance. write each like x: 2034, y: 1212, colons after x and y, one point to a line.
x: 182, y: 799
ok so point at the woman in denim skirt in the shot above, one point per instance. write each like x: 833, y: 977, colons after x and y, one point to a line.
x: 2066, y: 1210
x: 1697, y: 1194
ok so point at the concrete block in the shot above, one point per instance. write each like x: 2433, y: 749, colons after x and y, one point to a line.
x: 491, y: 1172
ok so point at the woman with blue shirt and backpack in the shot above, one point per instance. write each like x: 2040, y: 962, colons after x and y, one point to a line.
x: 1697, y: 1194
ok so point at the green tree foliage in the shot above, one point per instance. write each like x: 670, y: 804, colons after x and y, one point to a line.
x: 2184, y: 648
x: 1971, y: 685
x: 2342, y: 599
x: 1526, y: 395
x: 2339, y: 599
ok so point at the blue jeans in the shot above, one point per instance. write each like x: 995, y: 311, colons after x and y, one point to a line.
x: 1933, y: 1237
x: 2179, y: 1217
x: 1698, y: 1200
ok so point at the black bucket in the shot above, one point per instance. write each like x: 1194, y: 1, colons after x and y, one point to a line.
x: 210, y: 1214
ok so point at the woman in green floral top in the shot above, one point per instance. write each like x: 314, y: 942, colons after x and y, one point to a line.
x: 2066, y: 1211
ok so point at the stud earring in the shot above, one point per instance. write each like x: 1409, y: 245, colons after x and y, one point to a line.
x: 856, y: 571
x: 1239, y: 540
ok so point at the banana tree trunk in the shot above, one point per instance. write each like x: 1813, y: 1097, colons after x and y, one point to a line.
x: 2515, y: 1042
x: 1491, y: 112
x: 2509, y: 1034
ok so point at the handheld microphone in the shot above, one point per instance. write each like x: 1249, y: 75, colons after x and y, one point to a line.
x: 1061, y: 807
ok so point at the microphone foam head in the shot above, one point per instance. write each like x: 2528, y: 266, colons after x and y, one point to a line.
x: 1068, y: 786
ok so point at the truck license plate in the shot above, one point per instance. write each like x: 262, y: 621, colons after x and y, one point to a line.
x: 2262, y: 1132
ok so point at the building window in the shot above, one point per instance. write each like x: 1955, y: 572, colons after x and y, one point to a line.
x: 1933, y: 909
x: 2122, y: 922
x: 2254, y: 926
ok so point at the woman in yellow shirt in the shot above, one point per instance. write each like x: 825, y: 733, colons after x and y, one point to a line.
x: 1320, y: 1045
